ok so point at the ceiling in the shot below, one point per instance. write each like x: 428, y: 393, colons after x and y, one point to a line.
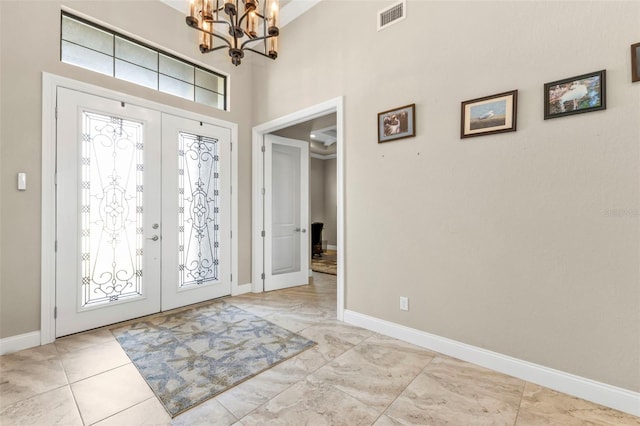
x: 289, y: 9
x: 323, y: 142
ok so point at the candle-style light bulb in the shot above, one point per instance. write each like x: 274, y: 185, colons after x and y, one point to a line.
x: 273, y: 15
x: 251, y: 23
x: 206, y: 39
x: 192, y: 8
x: 207, y: 14
x: 273, y: 46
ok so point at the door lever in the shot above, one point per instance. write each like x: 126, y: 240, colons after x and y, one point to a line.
x: 154, y: 238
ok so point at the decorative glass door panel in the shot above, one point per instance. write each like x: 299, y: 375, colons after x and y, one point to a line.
x: 108, y: 198
x: 196, y: 209
x: 111, y: 209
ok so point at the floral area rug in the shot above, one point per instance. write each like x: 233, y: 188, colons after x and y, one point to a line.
x: 190, y: 356
x: 327, y: 263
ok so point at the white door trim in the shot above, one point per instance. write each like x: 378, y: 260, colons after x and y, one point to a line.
x: 50, y: 83
x: 333, y: 105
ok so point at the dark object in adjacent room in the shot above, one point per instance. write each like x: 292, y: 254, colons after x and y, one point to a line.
x: 316, y: 238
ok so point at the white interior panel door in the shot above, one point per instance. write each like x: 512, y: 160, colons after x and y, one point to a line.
x: 286, y: 212
x: 196, y: 182
x: 108, y: 198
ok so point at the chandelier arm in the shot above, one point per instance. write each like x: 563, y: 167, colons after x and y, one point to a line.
x: 259, y: 53
x: 241, y: 18
x: 254, y: 39
x: 226, y: 40
x: 216, y: 48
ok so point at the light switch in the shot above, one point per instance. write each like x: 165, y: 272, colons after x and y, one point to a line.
x: 22, y: 181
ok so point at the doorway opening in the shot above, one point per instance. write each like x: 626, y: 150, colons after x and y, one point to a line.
x: 325, y: 121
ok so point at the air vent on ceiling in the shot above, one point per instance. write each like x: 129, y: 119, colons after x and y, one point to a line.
x: 392, y: 14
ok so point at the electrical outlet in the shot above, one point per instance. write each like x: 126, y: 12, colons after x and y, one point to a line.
x: 404, y: 303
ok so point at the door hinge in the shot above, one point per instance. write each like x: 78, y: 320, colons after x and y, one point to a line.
x: 55, y: 312
x: 262, y: 233
x: 56, y: 112
x: 263, y: 191
x: 231, y: 149
x: 262, y: 276
x: 55, y: 246
x: 55, y: 179
x: 231, y: 234
x: 231, y: 277
x: 263, y: 148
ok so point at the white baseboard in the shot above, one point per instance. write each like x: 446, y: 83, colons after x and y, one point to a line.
x: 581, y: 387
x: 237, y: 290
x: 19, y: 342
x: 331, y: 247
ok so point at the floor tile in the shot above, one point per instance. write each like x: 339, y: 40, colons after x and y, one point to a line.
x: 106, y: 394
x: 450, y: 391
x: 83, y: 340
x: 90, y: 360
x: 312, y: 404
x: 28, y: 373
x: 542, y: 406
x: 247, y: 396
x: 147, y: 413
x: 55, y: 407
x: 334, y: 337
x: 210, y: 412
x: 376, y: 371
x: 384, y: 420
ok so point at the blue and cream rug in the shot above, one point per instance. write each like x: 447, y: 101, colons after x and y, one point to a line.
x: 190, y: 356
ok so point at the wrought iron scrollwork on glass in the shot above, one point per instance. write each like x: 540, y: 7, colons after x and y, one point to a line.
x: 111, y: 190
x: 198, y: 209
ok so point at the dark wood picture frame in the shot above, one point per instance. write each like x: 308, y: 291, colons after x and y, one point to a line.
x: 489, y: 115
x: 398, y: 123
x: 576, y: 95
x: 635, y: 62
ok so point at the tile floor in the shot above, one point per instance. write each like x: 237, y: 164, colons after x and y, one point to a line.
x: 352, y: 377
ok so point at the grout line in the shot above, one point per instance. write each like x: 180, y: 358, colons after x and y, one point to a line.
x: 524, y: 386
x: 131, y: 406
x: 66, y: 376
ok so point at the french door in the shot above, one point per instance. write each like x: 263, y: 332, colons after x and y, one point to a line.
x: 143, y: 212
x: 286, y: 261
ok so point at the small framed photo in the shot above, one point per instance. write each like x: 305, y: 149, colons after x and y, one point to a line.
x: 397, y: 123
x: 635, y: 62
x: 575, y: 95
x: 488, y: 115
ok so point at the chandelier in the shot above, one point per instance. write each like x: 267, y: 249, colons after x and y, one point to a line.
x: 233, y: 20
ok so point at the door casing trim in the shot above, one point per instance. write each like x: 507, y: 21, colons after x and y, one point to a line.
x: 257, y: 253
x: 50, y: 84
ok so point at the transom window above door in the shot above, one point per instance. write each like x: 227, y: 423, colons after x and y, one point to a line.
x: 91, y: 46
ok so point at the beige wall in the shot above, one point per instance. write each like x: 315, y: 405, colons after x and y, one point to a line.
x: 29, y: 33
x: 505, y: 242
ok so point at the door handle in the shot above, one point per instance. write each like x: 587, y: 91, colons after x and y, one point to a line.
x: 304, y: 230
x: 154, y: 238
x: 301, y: 230
x: 297, y: 229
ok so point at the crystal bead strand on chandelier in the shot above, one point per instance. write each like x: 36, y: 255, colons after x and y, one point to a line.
x: 239, y: 24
